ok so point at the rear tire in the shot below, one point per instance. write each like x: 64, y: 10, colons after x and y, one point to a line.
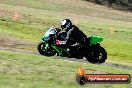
x: 98, y: 55
x: 43, y: 51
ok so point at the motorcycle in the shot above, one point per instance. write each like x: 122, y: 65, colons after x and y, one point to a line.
x: 48, y: 47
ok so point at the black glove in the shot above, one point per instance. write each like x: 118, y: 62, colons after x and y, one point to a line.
x: 58, y: 30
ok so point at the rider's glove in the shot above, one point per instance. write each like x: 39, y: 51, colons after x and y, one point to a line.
x: 57, y: 30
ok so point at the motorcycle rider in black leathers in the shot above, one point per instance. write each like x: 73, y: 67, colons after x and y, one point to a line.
x: 74, y: 35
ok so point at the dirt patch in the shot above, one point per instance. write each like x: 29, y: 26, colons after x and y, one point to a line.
x: 16, y: 43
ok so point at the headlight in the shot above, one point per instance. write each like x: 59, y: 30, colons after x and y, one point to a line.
x: 46, y: 38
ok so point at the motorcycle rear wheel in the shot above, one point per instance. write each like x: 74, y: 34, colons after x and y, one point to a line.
x: 98, y: 55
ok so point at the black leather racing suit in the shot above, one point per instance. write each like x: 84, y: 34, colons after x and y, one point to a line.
x: 77, y: 36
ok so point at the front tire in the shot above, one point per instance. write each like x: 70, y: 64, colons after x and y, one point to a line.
x: 41, y: 49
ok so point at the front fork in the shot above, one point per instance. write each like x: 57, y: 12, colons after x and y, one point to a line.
x: 46, y: 46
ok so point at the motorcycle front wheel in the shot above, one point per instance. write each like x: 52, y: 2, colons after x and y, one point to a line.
x: 46, y: 52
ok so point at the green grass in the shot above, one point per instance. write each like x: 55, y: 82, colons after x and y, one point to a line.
x: 80, y: 7
x: 31, y: 27
x: 21, y: 70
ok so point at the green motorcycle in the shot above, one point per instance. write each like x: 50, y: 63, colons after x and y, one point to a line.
x: 48, y: 47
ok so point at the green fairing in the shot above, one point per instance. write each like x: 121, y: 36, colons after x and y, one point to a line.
x: 95, y: 39
x: 57, y: 49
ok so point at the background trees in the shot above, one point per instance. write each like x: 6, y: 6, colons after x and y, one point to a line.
x: 117, y: 4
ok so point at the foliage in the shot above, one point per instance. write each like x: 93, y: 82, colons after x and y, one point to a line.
x: 117, y: 4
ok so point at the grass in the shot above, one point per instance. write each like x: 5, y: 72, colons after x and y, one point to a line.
x: 116, y: 48
x: 18, y: 70
x: 21, y: 70
x: 80, y: 7
x: 31, y: 27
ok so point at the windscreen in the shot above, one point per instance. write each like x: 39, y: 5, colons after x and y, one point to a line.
x: 48, y: 33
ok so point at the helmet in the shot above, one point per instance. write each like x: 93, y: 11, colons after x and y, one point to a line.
x: 66, y: 24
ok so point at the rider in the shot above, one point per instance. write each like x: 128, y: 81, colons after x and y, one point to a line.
x: 73, y: 33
